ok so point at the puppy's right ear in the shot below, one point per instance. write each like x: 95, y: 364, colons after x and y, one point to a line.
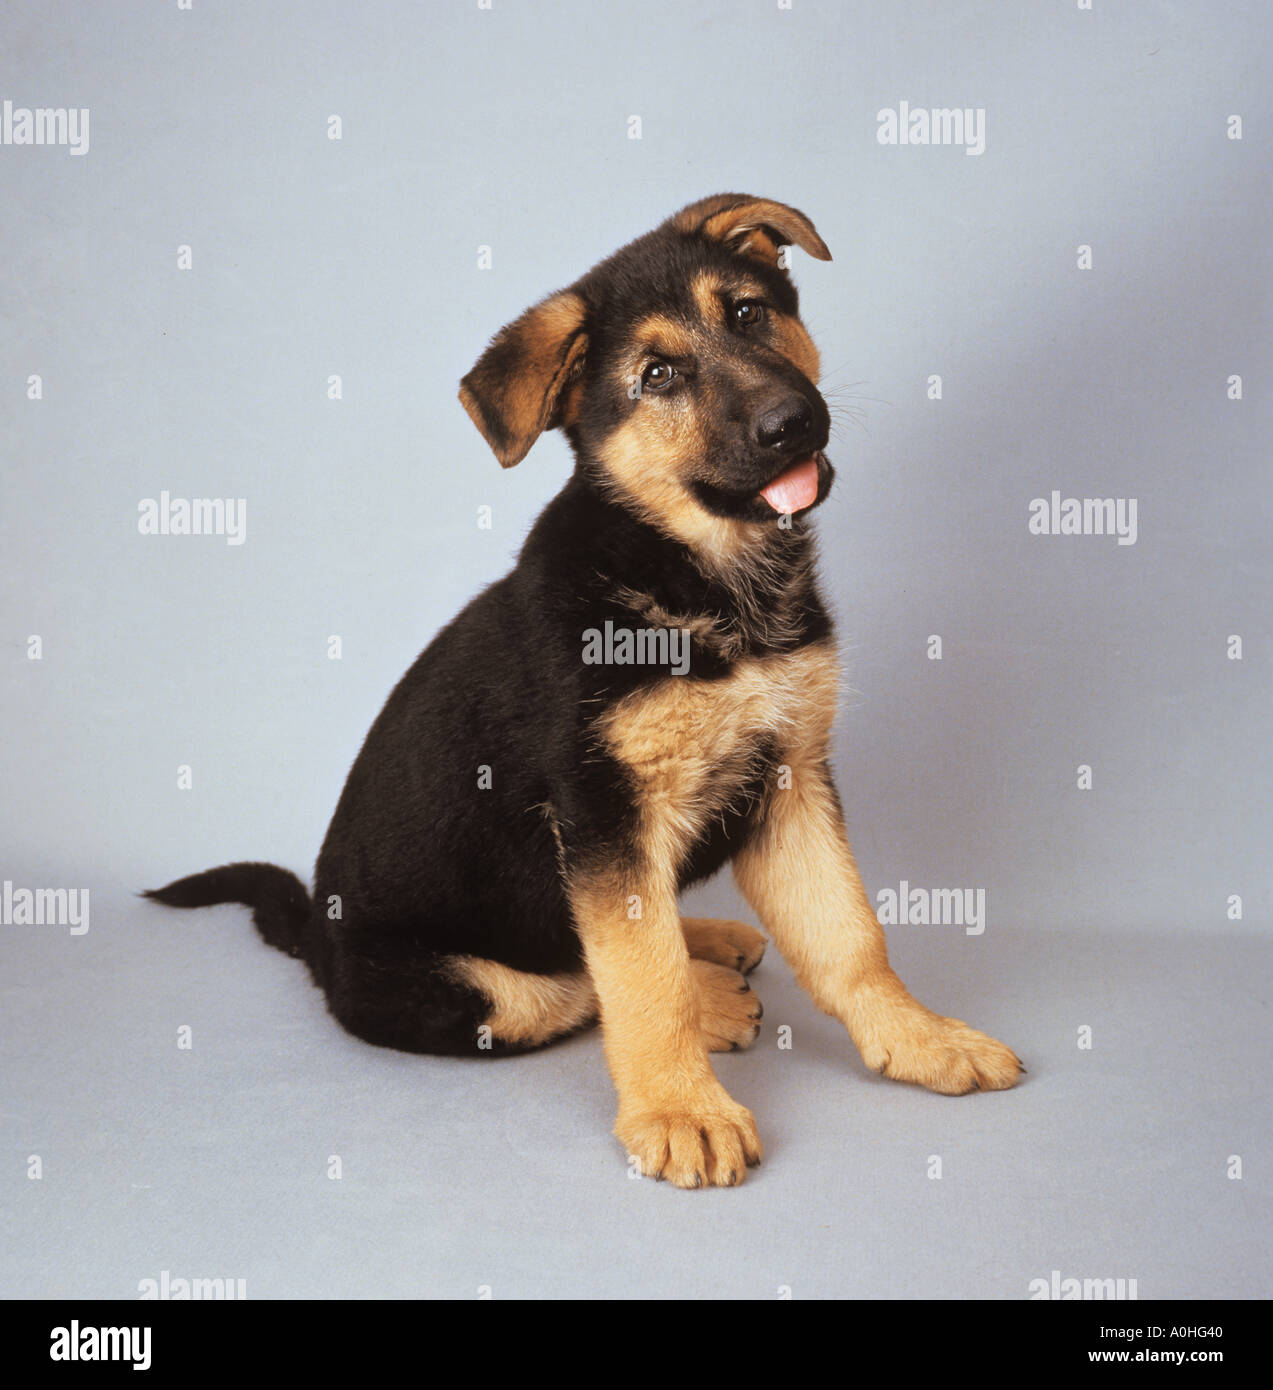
x: 520, y: 385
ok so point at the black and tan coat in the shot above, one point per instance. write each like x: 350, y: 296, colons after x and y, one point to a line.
x: 504, y: 864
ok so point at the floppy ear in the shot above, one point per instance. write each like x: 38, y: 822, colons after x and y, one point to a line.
x: 752, y: 226
x: 518, y: 388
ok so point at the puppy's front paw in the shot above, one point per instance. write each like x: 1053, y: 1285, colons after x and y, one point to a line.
x: 729, y: 1011
x: 692, y: 1147
x: 944, y: 1054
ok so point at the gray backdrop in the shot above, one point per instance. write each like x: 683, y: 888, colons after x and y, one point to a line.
x: 1112, y: 908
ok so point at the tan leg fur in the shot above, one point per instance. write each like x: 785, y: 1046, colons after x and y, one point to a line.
x: 799, y: 875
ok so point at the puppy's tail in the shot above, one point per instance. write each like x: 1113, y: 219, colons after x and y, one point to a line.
x: 279, y: 900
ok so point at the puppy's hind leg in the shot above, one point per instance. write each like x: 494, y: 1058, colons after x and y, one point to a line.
x: 527, y: 1010
x: 721, y: 953
x: 718, y: 939
x: 385, y: 987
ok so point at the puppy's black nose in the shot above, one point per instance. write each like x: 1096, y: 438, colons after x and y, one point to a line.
x: 787, y: 426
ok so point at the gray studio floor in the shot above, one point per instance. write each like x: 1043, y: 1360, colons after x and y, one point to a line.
x: 458, y: 1177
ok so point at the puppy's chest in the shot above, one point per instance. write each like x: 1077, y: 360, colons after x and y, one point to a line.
x: 690, y: 745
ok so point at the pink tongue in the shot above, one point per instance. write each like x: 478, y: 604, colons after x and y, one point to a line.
x: 795, y: 489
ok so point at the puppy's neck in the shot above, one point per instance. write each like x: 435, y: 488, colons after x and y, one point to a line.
x: 750, y: 583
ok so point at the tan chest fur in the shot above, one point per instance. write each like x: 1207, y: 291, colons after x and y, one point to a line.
x: 689, y: 743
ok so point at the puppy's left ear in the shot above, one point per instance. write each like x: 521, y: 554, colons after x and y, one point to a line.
x: 752, y: 226
x: 520, y: 386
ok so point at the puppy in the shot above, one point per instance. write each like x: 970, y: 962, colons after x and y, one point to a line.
x: 646, y: 696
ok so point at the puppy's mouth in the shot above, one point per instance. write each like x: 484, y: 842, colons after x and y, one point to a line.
x: 795, y: 488
x: 800, y: 486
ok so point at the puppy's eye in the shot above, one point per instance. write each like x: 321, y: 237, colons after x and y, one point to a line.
x: 748, y: 313
x: 658, y: 376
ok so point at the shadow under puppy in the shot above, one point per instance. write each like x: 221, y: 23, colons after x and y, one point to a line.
x: 646, y: 696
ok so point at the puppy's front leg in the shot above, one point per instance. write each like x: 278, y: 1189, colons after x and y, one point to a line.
x: 675, y: 1118
x: 799, y: 875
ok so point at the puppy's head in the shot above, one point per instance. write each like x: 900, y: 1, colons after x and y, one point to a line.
x: 679, y: 369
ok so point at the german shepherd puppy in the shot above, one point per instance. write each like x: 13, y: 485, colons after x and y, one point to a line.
x: 647, y: 696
